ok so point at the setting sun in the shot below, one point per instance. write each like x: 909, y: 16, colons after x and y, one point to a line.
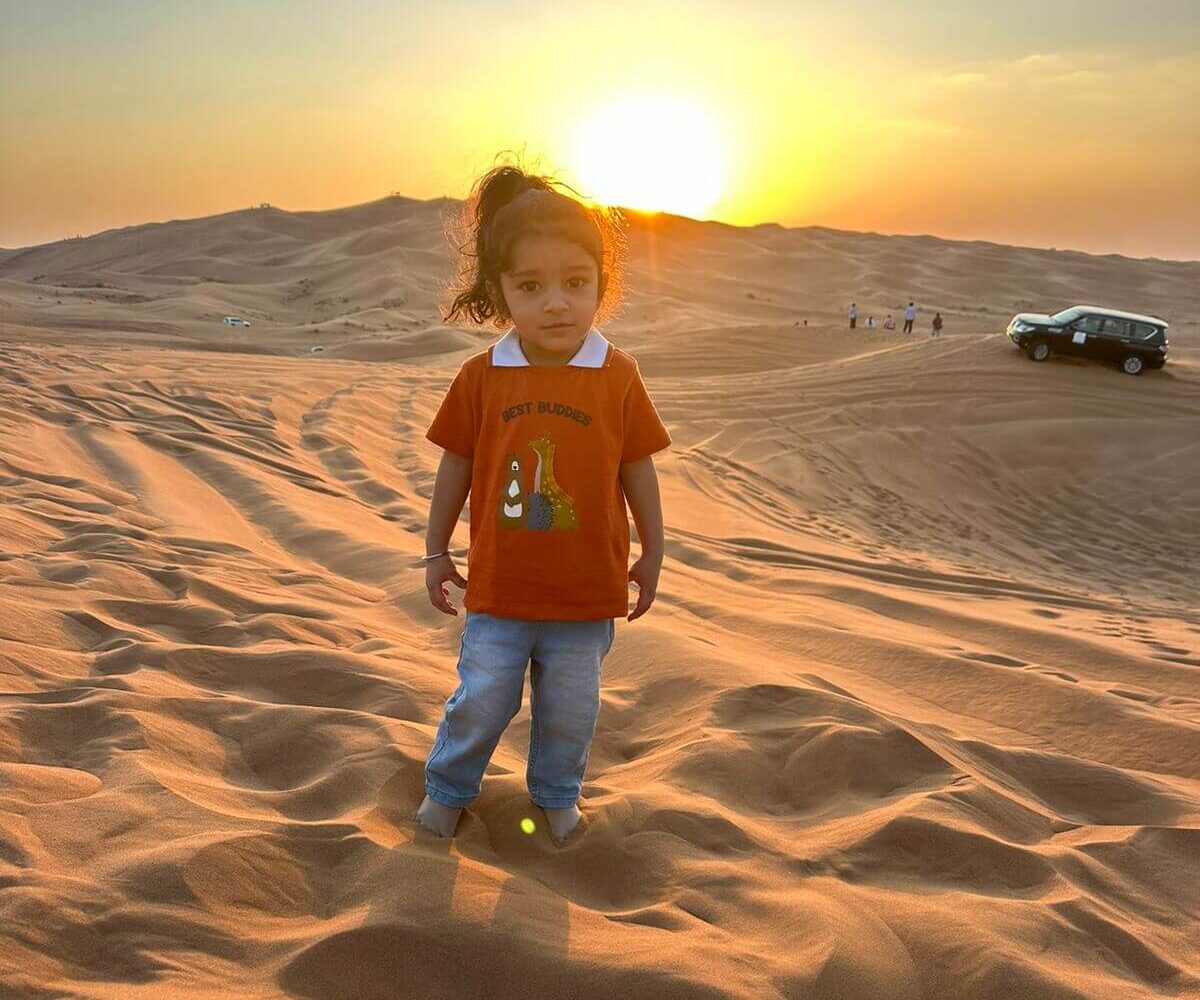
x: 654, y: 154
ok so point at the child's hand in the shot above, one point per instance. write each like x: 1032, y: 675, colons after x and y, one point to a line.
x: 644, y: 573
x: 438, y: 572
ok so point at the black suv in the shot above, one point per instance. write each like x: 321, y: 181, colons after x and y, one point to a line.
x: 1128, y: 339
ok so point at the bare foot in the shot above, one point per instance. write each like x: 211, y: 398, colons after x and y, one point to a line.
x: 562, y: 822
x: 437, y: 818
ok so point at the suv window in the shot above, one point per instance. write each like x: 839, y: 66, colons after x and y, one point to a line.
x: 1144, y: 331
x: 1118, y: 328
x: 1089, y: 324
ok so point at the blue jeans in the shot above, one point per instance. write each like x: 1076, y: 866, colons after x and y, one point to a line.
x: 564, y: 699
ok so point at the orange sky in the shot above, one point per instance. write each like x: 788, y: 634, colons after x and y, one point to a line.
x: 1068, y: 125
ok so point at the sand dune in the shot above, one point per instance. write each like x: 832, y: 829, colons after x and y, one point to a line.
x: 916, y: 714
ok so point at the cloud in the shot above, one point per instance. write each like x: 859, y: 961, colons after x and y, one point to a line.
x: 963, y: 79
x: 1072, y: 69
x: 1057, y: 68
x: 1034, y: 69
x: 1068, y: 93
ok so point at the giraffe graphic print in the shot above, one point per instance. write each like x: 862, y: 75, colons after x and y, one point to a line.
x: 544, y: 508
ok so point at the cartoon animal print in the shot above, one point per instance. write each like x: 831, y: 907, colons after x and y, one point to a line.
x: 512, y: 504
x: 540, y: 515
x: 547, y: 494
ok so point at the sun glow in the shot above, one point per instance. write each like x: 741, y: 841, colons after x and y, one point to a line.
x: 653, y: 154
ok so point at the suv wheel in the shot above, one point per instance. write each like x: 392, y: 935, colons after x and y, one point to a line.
x: 1039, y: 350
x: 1131, y: 364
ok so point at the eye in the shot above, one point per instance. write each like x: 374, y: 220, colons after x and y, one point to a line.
x: 532, y: 286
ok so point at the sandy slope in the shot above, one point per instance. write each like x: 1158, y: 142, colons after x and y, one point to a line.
x: 916, y: 714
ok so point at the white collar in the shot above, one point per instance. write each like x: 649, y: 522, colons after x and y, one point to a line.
x: 507, y: 353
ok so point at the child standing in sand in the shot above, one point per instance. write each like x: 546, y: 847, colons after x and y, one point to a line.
x: 550, y: 430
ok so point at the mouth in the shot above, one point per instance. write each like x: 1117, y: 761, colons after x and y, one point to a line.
x: 559, y: 326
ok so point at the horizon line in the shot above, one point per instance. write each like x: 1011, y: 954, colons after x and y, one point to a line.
x: 264, y: 206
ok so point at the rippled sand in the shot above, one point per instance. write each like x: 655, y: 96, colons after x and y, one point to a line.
x: 916, y: 712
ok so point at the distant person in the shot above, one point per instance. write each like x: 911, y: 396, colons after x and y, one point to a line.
x: 853, y: 315
x: 889, y: 323
x: 909, y: 315
x: 871, y: 322
x: 937, y: 325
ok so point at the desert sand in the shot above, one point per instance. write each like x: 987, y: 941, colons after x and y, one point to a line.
x: 916, y: 713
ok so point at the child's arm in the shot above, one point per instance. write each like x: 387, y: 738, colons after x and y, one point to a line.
x: 640, y: 483
x: 450, y: 491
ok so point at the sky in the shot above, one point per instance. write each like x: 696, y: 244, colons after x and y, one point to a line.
x: 1064, y: 123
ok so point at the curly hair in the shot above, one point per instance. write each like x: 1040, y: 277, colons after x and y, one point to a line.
x: 507, y: 203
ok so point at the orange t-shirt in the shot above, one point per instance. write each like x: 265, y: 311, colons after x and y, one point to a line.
x: 549, y: 528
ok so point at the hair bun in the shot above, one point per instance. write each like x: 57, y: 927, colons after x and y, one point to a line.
x: 504, y: 185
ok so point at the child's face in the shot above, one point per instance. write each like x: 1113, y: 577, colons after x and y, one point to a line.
x: 552, y: 294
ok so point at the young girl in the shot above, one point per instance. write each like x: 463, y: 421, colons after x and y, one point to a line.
x: 550, y: 430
